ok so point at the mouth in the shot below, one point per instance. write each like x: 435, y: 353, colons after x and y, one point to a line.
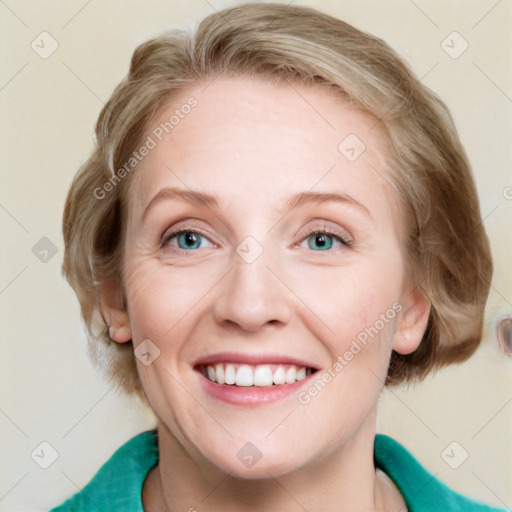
x: 252, y: 380
x: 246, y: 375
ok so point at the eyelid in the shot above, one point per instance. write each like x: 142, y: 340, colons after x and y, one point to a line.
x: 325, y: 227
x: 184, y: 223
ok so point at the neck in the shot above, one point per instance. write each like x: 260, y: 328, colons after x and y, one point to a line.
x: 343, y: 480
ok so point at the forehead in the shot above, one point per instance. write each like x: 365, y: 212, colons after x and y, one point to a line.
x: 249, y: 138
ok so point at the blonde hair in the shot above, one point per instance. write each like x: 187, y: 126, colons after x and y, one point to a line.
x: 447, y: 251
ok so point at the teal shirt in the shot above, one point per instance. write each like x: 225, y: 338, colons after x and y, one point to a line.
x: 117, y: 486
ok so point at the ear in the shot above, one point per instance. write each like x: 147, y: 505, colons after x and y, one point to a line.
x: 412, y: 322
x: 114, y: 312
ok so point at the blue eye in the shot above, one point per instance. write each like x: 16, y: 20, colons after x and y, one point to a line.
x: 186, y: 239
x: 324, y: 240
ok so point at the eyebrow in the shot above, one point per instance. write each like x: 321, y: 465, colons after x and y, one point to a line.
x: 212, y: 201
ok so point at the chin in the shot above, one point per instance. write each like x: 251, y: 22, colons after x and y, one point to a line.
x: 261, y: 470
x: 250, y: 463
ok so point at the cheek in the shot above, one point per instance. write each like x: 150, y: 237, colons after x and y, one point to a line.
x: 162, y: 298
x: 143, y: 300
x: 152, y: 302
x: 347, y: 301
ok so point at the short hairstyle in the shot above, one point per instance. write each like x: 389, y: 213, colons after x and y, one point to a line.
x: 446, y: 250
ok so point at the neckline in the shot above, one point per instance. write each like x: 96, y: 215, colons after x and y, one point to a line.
x: 386, y: 453
x: 119, y: 482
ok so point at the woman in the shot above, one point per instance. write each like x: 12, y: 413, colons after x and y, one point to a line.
x: 278, y: 221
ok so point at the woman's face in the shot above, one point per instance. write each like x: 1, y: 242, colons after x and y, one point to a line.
x: 248, y: 292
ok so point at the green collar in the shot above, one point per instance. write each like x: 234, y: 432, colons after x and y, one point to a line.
x: 117, y: 486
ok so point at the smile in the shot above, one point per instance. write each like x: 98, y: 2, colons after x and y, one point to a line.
x: 249, y: 380
x: 255, y: 375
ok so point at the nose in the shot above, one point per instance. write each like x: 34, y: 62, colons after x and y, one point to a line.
x: 252, y: 295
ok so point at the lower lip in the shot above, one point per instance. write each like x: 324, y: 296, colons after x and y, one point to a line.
x: 250, y: 395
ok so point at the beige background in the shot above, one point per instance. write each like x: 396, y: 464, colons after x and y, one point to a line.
x: 50, y: 392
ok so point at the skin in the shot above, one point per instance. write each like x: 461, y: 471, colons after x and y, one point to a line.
x: 254, y: 144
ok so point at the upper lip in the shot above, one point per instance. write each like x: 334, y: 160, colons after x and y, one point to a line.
x: 253, y: 359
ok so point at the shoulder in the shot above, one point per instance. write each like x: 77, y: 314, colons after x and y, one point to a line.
x: 118, y: 484
x: 421, y: 490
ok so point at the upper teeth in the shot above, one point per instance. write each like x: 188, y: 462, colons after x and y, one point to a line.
x: 255, y: 375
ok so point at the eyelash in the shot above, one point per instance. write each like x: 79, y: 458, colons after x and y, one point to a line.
x: 321, y: 230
